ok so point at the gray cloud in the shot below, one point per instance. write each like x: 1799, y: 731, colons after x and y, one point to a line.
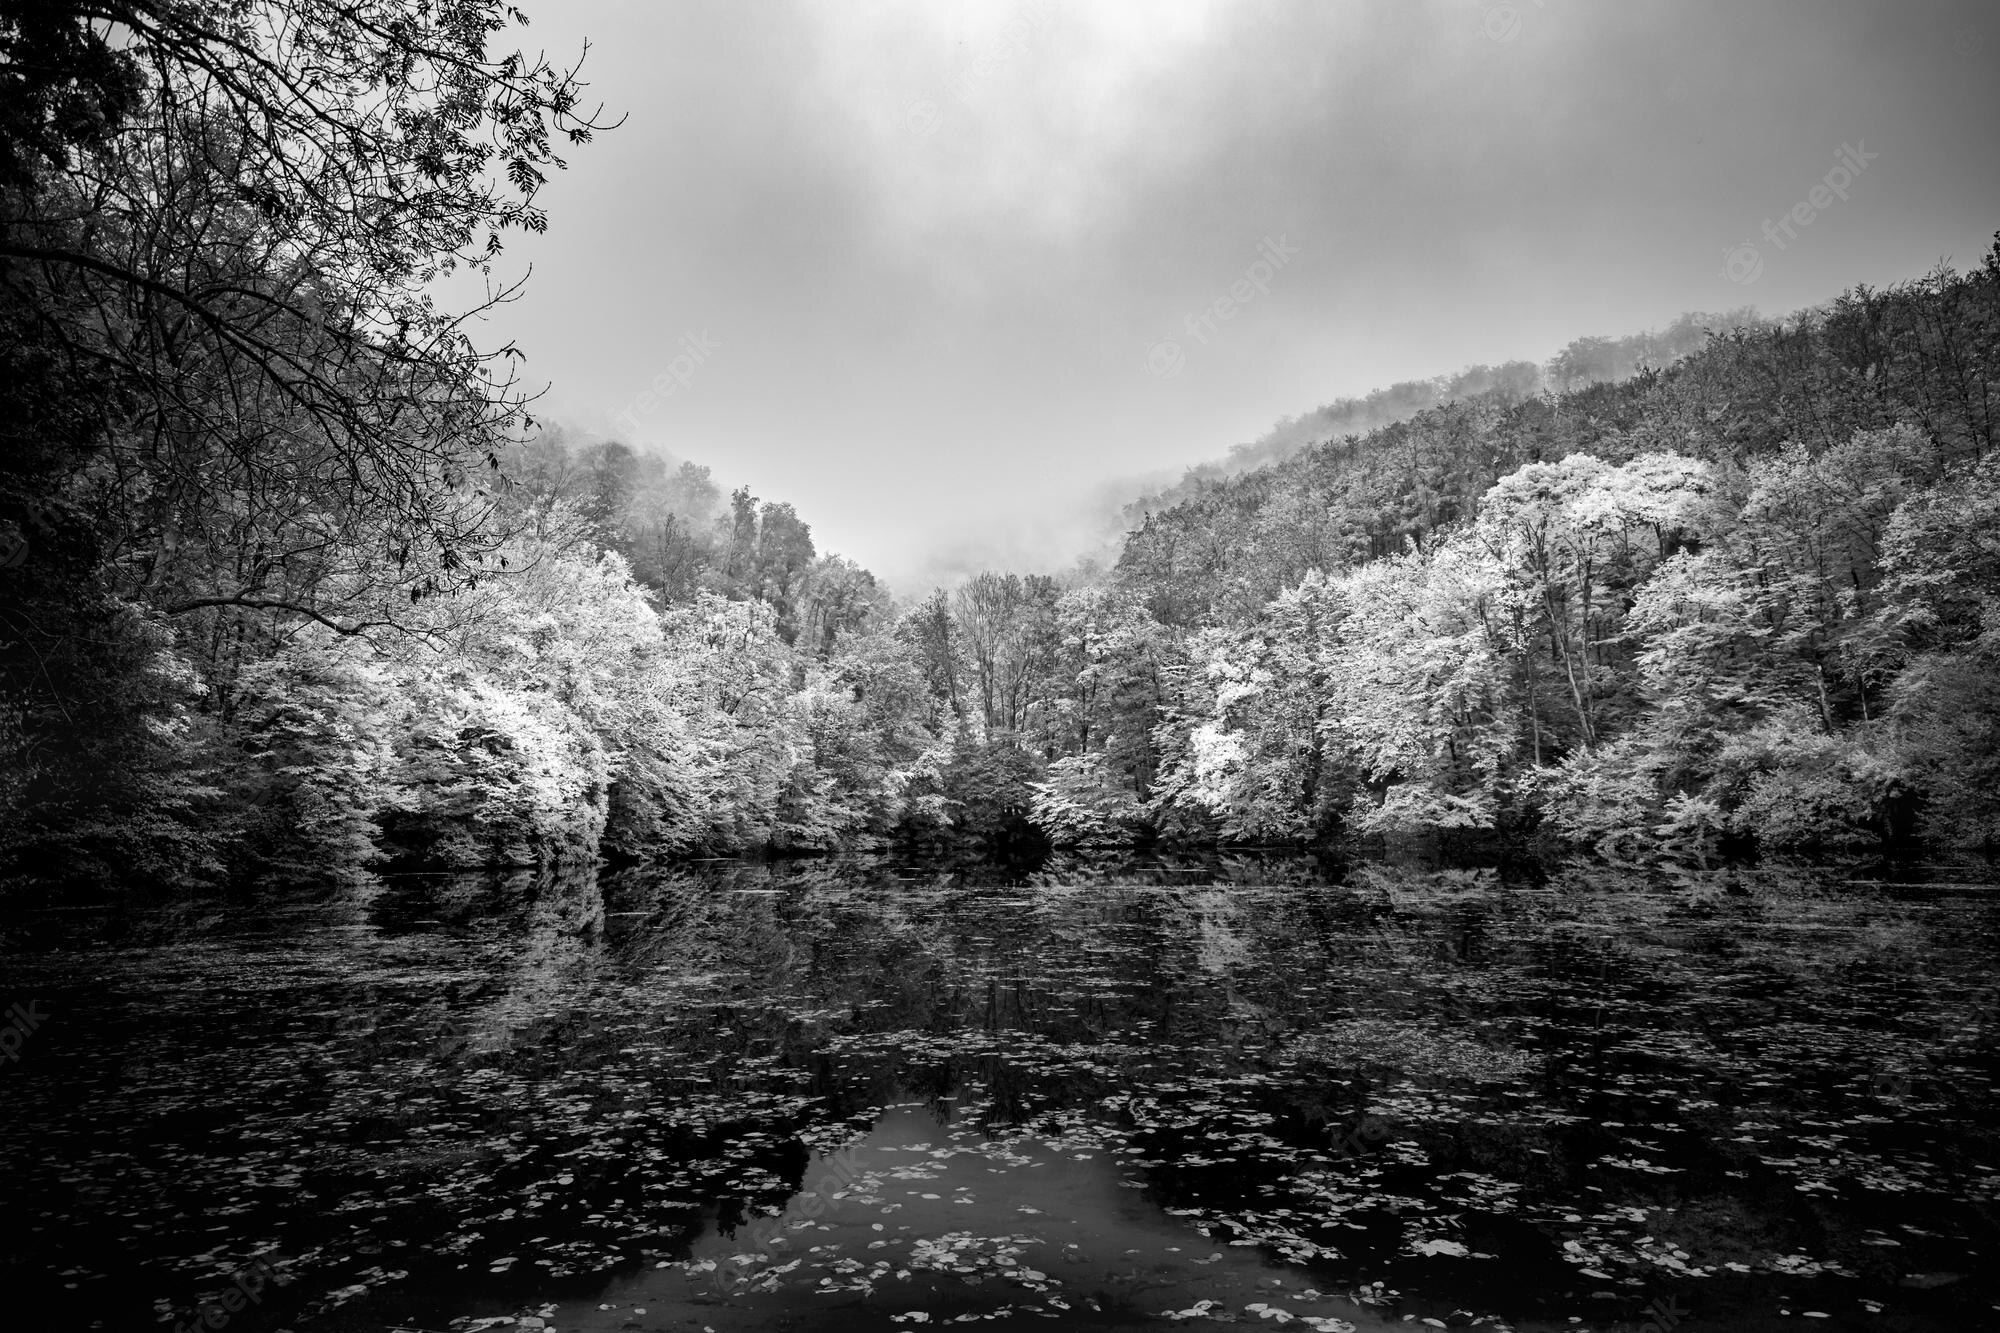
x: 933, y: 243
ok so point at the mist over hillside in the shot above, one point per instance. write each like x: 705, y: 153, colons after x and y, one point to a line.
x: 1081, y: 535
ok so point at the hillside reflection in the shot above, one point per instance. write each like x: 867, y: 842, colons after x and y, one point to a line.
x: 1451, y: 1094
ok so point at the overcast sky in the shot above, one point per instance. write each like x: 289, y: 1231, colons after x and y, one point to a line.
x: 935, y: 270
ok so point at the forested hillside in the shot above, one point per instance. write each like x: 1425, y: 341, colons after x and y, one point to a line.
x: 1583, y: 363
x: 1750, y: 594
x: 290, y: 581
x: 292, y: 585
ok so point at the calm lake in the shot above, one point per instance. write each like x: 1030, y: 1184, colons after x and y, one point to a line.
x: 870, y: 1094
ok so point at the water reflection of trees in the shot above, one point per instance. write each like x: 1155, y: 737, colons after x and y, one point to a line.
x: 1378, y: 1054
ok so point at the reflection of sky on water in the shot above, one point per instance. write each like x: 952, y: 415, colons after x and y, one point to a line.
x: 930, y: 1217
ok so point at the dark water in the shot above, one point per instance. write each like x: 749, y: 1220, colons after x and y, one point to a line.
x: 860, y: 1095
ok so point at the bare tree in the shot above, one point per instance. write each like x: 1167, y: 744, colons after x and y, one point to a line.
x: 230, y: 218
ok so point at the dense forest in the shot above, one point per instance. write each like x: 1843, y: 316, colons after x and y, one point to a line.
x: 1746, y: 596
x: 294, y: 586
